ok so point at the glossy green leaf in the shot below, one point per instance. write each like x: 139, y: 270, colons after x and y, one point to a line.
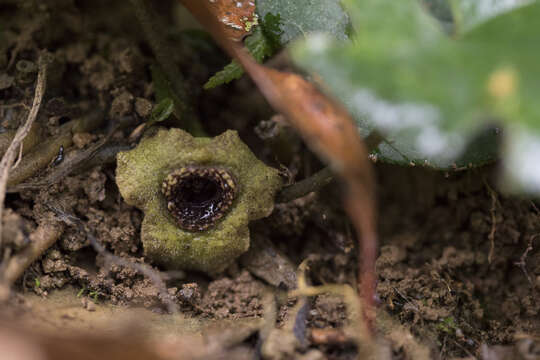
x: 257, y: 44
x: 161, y: 111
x: 282, y: 21
x: 431, y: 95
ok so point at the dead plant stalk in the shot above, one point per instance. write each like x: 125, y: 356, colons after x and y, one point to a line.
x: 9, y: 156
x: 41, y: 239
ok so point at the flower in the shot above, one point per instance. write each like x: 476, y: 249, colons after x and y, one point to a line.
x: 198, y: 196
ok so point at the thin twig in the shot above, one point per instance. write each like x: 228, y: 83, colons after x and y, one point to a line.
x: 407, y: 300
x: 40, y: 158
x: 321, y: 178
x: 19, y: 158
x: 301, y: 188
x: 154, y: 276
x: 82, y: 161
x: 10, y: 106
x: 354, y: 307
x: 522, y: 264
x: 492, y: 211
x: 41, y: 239
x: 9, y: 156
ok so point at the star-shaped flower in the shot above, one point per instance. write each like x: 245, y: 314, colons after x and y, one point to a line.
x: 198, y: 196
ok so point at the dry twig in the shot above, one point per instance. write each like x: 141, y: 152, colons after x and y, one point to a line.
x: 301, y: 188
x: 48, y: 149
x: 41, y: 239
x: 492, y: 211
x: 522, y: 264
x: 9, y: 156
x: 356, y: 330
x: 144, y: 270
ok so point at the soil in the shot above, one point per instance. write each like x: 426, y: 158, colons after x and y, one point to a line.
x: 455, y: 278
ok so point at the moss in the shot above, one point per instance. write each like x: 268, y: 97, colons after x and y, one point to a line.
x: 140, y: 174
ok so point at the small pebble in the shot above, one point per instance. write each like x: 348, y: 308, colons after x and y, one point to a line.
x: 88, y: 304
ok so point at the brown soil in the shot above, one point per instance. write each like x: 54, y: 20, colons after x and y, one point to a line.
x: 455, y: 279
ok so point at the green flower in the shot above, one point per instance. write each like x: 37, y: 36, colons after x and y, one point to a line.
x: 198, y: 196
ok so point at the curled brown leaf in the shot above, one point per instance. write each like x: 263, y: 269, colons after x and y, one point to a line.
x: 328, y: 129
x: 235, y: 16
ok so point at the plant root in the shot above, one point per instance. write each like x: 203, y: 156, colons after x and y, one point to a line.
x: 48, y: 150
x: 9, y: 156
x: 358, y: 331
x: 42, y: 238
x: 153, y: 275
x: 31, y: 140
x: 522, y: 264
x: 301, y: 188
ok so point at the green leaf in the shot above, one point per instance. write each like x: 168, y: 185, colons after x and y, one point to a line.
x: 162, y: 111
x: 302, y: 17
x: 471, y: 13
x: 81, y: 291
x: 442, y: 11
x: 258, y: 45
x: 94, y: 295
x: 284, y: 20
x: 271, y: 28
x: 430, y: 95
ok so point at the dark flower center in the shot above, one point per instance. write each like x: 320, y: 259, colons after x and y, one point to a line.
x: 197, y: 197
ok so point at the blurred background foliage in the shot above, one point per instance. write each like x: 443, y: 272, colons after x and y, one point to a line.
x: 449, y: 84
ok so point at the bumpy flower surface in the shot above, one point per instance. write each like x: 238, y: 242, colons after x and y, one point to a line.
x: 198, y: 196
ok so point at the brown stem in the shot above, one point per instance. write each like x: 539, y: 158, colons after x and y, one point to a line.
x: 321, y: 178
x: 364, y: 220
x: 9, y: 156
x: 43, y: 155
x: 153, y: 275
x: 40, y: 240
x: 301, y: 188
x: 32, y: 139
x: 39, y: 158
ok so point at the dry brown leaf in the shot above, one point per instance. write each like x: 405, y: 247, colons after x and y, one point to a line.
x: 236, y: 16
x: 328, y: 129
